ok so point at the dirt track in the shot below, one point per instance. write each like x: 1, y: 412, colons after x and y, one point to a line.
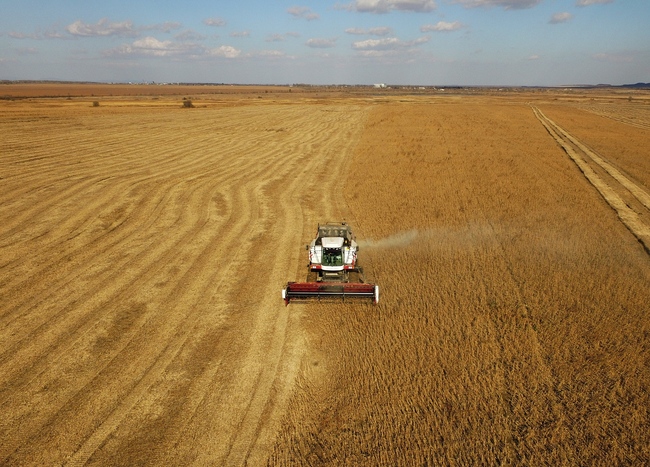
x: 142, y: 258
x: 143, y: 247
x: 611, y: 183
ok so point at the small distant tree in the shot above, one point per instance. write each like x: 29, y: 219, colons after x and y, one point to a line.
x: 187, y: 103
x: 95, y: 103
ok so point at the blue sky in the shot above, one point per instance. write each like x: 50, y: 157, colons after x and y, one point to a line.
x: 419, y: 42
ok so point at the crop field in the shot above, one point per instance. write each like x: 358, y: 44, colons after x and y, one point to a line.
x: 143, y: 247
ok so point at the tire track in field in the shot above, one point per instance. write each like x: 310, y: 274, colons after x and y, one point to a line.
x: 612, y: 192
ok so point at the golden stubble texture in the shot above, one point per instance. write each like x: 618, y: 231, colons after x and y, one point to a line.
x: 143, y: 247
x: 142, y: 253
x: 513, y: 322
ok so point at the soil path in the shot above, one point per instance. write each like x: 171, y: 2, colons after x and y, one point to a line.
x: 613, y: 188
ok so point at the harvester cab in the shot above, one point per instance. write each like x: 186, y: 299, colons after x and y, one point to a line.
x: 333, y: 269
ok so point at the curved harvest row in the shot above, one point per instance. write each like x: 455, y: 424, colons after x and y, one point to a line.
x: 142, y: 254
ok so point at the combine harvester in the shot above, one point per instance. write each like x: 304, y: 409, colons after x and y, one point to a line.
x: 333, y: 270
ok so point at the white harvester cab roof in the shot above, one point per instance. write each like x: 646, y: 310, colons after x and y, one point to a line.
x: 332, y: 242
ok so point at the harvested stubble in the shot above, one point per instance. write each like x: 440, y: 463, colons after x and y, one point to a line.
x: 142, y: 252
x: 513, y: 326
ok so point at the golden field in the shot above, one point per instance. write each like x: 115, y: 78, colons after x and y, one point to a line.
x: 143, y: 247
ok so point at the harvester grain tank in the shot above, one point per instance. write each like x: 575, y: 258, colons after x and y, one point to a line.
x: 333, y: 269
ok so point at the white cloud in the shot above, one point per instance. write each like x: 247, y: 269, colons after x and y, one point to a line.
x: 534, y: 57
x: 152, y: 47
x: 506, y: 4
x: 321, y: 43
x: 442, y: 26
x: 592, y: 2
x: 225, y: 51
x: 217, y: 22
x: 389, y: 43
x: 102, y: 28
x: 54, y: 35
x: 384, y: 6
x: 379, y: 31
x: 303, y: 12
x: 562, y: 17
x: 269, y: 54
x: 240, y: 34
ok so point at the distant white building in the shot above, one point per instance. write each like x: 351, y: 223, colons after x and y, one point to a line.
x: 380, y: 85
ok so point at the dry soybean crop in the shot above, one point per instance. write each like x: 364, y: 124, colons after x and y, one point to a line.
x: 144, y: 244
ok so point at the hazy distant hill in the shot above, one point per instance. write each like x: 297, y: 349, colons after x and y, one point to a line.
x: 637, y: 85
